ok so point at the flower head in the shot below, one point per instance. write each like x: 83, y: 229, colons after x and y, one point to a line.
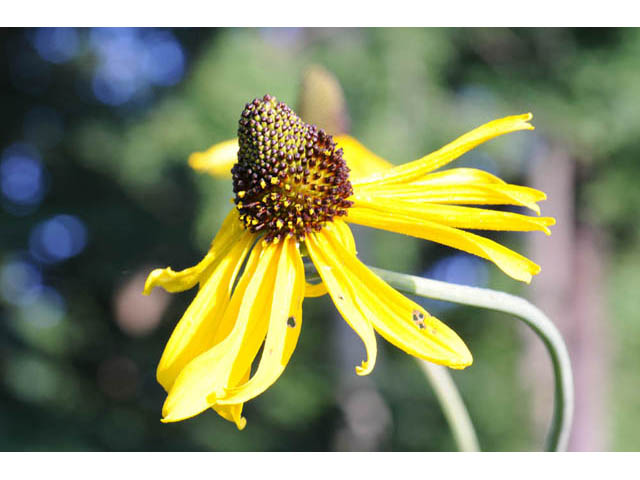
x: 296, y: 189
x: 289, y: 179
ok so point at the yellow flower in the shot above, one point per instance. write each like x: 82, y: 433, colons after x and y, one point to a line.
x: 295, y: 196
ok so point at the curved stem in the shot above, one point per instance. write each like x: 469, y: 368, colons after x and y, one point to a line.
x: 452, y: 405
x: 558, y: 436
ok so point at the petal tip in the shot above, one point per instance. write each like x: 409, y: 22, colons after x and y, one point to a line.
x: 151, y: 280
x: 241, y: 423
x: 465, y: 360
x: 365, y: 368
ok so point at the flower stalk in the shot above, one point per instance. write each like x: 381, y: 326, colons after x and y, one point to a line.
x: 558, y: 436
x: 452, y: 404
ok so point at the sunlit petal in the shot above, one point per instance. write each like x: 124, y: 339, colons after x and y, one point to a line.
x: 201, y: 325
x: 343, y: 294
x: 227, y: 362
x: 361, y: 161
x: 413, y: 170
x: 510, y: 262
x: 399, y: 320
x: 285, y: 321
x: 229, y: 234
x: 458, y: 194
x: 346, y: 239
x: 216, y: 160
x: 455, y: 216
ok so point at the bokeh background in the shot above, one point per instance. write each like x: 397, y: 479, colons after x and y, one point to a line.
x: 95, y: 191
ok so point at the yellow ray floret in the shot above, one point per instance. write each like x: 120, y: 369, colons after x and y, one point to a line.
x: 285, y: 322
x: 267, y: 302
x: 510, y: 262
x: 230, y: 232
x: 414, y: 170
x: 338, y: 282
x: 453, y: 215
x: 215, y: 369
x: 217, y: 160
x: 399, y: 320
x: 461, y: 186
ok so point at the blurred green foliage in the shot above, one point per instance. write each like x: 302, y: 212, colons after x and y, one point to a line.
x: 83, y: 382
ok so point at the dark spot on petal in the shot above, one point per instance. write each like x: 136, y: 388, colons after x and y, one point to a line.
x: 418, y: 318
x: 291, y: 322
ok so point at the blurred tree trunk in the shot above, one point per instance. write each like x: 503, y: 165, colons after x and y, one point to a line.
x: 570, y: 290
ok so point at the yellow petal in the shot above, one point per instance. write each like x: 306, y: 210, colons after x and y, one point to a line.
x: 457, y: 176
x: 461, y: 194
x: 226, y: 363
x: 229, y: 234
x: 313, y: 290
x: 201, y: 326
x: 345, y: 235
x: 399, y: 320
x: 285, y: 321
x: 233, y: 412
x: 413, y: 170
x: 346, y: 239
x: 361, y: 161
x: 455, y: 216
x: 344, y: 296
x: 510, y: 262
x: 217, y: 160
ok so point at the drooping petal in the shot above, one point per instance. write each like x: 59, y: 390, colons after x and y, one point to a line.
x: 510, y: 262
x: 459, y: 194
x: 229, y: 234
x: 413, y: 170
x: 233, y: 412
x: 361, y: 161
x: 453, y: 215
x: 226, y: 363
x: 344, y: 295
x: 285, y: 321
x: 216, y: 160
x: 346, y: 239
x: 197, y: 329
x: 399, y: 320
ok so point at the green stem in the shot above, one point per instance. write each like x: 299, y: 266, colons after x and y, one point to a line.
x: 452, y: 405
x: 558, y: 436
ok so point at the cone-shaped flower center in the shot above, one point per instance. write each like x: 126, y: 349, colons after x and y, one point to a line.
x: 289, y: 178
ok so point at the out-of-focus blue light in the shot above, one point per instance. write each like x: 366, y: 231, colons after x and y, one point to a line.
x: 58, y: 238
x: 20, y: 281
x: 114, y: 85
x: 164, y: 61
x: 132, y: 60
x: 21, y: 175
x: 56, y: 45
x: 461, y: 268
